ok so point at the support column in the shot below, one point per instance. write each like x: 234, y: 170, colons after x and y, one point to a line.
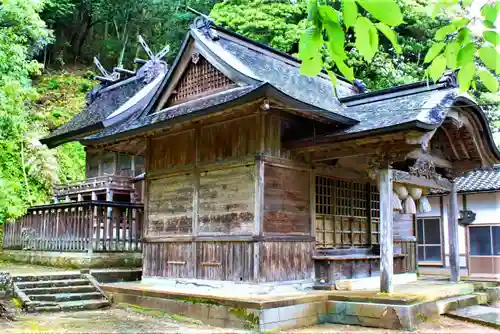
x: 386, y: 246
x: 453, y: 234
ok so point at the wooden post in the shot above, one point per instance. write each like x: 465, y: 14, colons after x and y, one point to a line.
x: 386, y: 247
x: 453, y: 234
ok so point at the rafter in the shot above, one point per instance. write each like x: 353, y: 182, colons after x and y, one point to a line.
x: 451, y: 142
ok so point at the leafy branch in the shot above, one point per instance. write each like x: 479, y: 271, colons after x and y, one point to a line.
x: 329, y: 22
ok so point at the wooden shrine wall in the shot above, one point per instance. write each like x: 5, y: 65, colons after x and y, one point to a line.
x: 286, y: 201
x: 220, y: 208
x: 226, y: 201
x: 170, y: 205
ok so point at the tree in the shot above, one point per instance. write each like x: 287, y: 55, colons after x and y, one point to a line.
x: 109, y: 28
x: 453, y: 46
x: 22, y: 35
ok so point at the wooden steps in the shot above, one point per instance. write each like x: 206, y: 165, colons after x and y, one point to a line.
x: 59, y: 292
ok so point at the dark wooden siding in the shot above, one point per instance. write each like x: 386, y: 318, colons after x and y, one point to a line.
x: 286, y: 201
x: 228, y: 261
x: 229, y: 140
x: 226, y: 201
x: 173, y: 150
x: 170, y: 205
x: 286, y: 260
x: 168, y: 260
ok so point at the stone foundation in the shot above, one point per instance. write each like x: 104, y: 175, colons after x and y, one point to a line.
x: 282, y: 312
x: 73, y: 260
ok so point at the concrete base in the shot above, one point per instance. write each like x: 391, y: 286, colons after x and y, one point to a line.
x: 411, y: 305
x: 372, y: 282
x: 73, y: 260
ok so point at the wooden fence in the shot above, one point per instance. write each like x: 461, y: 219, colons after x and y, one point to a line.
x: 91, y: 226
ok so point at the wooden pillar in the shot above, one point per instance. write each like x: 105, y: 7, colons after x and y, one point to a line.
x: 453, y: 234
x: 386, y: 247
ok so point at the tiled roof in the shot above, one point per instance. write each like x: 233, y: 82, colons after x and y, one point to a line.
x: 106, y: 101
x: 480, y: 180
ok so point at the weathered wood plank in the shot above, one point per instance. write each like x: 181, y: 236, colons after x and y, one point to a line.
x: 453, y: 234
x: 286, y: 202
x: 286, y: 261
x: 170, y: 205
x: 172, y: 150
x: 386, y: 234
x: 226, y: 201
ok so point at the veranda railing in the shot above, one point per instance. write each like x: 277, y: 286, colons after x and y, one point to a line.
x: 91, y: 226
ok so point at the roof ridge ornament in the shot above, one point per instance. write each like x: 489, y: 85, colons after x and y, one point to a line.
x: 106, y: 76
x: 204, y: 24
x: 155, y: 65
x: 151, y: 55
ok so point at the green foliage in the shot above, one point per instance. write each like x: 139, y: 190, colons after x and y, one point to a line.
x: 276, y: 23
x: 27, y: 168
x: 109, y: 29
x: 469, y: 60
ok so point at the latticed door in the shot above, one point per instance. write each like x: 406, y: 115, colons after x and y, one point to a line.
x: 347, y: 213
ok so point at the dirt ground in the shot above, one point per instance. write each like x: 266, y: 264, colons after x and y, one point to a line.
x: 116, y: 320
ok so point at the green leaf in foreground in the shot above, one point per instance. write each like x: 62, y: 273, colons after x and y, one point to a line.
x: 310, y: 43
x: 442, y: 32
x: 386, y: 11
x: 336, y: 39
x: 434, y: 50
x: 390, y: 35
x: 465, y: 76
x: 311, y: 66
x: 489, y: 12
x: 491, y: 58
x: 350, y: 13
x: 492, y: 36
x: 333, y: 79
x: 328, y: 14
x: 346, y: 71
x: 488, y: 80
x: 365, y: 43
x: 437, y: 68
x: 451, y: 54
x: 466, y: 54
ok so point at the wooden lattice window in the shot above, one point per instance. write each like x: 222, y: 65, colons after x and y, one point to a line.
x: 200, y: 78
x: 344, y: 212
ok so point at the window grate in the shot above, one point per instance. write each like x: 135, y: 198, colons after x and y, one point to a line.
x: 343, y: 215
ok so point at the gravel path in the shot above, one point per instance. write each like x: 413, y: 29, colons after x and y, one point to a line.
x: 117, y: 320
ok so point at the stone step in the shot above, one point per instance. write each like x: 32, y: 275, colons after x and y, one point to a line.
x: 62, y: 289
x: 79, y: 305
x: 61, y: 297
x: 454, y: 303
x: 482, y: 298
x: 48, y: 277
x: 48, y: 284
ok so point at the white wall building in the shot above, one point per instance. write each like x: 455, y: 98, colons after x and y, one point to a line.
x: 479, y: 246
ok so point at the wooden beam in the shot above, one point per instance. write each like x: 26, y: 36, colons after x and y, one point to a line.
x: 356, y: 150
x: 453, y: 235
x: 438, y: 161
x: 406, y: 178
x: 452, y: 144
x: 386, y: 246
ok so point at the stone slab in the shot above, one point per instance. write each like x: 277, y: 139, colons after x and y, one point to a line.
x: 373, y: 282
x: 485, y: 315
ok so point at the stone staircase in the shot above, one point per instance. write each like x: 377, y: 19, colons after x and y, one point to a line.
x: 59, y: 292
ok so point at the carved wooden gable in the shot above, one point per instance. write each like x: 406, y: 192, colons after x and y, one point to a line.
x: 200, y: 78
